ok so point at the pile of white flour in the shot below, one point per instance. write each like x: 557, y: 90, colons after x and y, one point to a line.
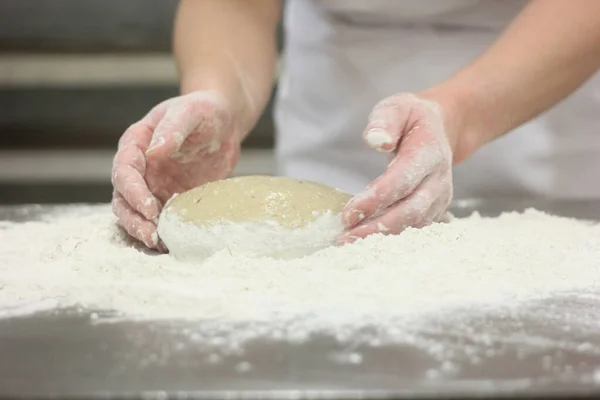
x: 79, y: 258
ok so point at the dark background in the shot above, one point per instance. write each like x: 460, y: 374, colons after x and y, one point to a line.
x: 87, y: 116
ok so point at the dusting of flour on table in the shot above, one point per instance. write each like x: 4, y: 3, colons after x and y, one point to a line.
x: 80, y: 258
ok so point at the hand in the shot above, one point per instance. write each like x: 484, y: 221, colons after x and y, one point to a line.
x: 180, y: 144
x: 416, y: 188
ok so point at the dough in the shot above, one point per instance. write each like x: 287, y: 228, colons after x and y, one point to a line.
x: 254, y: 216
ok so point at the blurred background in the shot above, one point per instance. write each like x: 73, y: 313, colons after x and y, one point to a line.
x: 73, y: 76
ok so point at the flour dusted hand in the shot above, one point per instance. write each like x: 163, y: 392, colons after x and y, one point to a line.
x: 181, y: 143
x: 416, y: 188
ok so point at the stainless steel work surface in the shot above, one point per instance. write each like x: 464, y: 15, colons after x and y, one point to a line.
x: 540, y: 349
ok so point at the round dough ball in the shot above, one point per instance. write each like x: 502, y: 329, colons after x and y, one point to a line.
x: 252, y: 216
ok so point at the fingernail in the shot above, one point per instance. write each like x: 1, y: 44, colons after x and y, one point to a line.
x: 341, y: 240
x: 154, y: 238
x: 381, y: 228
x: 378, y: 139
x: 139, y: 234
x: 162, y: 248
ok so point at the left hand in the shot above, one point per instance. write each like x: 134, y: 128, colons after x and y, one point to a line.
x: 416, y: 188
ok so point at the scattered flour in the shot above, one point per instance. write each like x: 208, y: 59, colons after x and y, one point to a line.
x: 79, y: 258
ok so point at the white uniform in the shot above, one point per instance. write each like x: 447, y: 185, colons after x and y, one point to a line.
x: 343, y: 56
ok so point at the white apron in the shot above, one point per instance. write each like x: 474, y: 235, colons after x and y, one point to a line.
x: 342, y: 56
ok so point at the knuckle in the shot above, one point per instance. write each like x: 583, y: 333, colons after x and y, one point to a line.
x: 120, y: 211
x: 132, y: 127
x: 137, y: 158
x: 183, y: 107
x: 131, y: 131
x: 414, y: 210
x: 411, y: 215
x: 445, y: 164
x: 122, y: 156
x: 405, y: 183
x: 126, y: 137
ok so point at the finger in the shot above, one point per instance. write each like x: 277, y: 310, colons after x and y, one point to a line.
x: 140, y: 133
x: 389, y: 119
x: 129, y: 164
x: 129, y: 167
x: 439, y: 209
x: 171, y: 131
x: 133, y: 223
x: 416, y: 211
x: 411, y: 166
x: 132, y: 187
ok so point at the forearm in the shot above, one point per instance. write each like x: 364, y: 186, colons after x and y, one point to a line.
x: 228, y: 46
x: 550, y: 49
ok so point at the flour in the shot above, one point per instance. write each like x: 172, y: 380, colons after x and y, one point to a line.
x: 256, y: 238
x: 79, y: 258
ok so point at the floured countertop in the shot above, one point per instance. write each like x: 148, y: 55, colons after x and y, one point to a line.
x: 530, y: 344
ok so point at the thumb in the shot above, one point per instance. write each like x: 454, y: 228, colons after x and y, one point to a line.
x: 207, y: 112
x: 388, y: 121
x: 171, y: 131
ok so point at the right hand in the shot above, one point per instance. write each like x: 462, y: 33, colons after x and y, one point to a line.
x: 181, y: 143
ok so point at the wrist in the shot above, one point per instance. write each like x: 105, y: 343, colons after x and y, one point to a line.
x: 242, y: 113
x: 460, y: 127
